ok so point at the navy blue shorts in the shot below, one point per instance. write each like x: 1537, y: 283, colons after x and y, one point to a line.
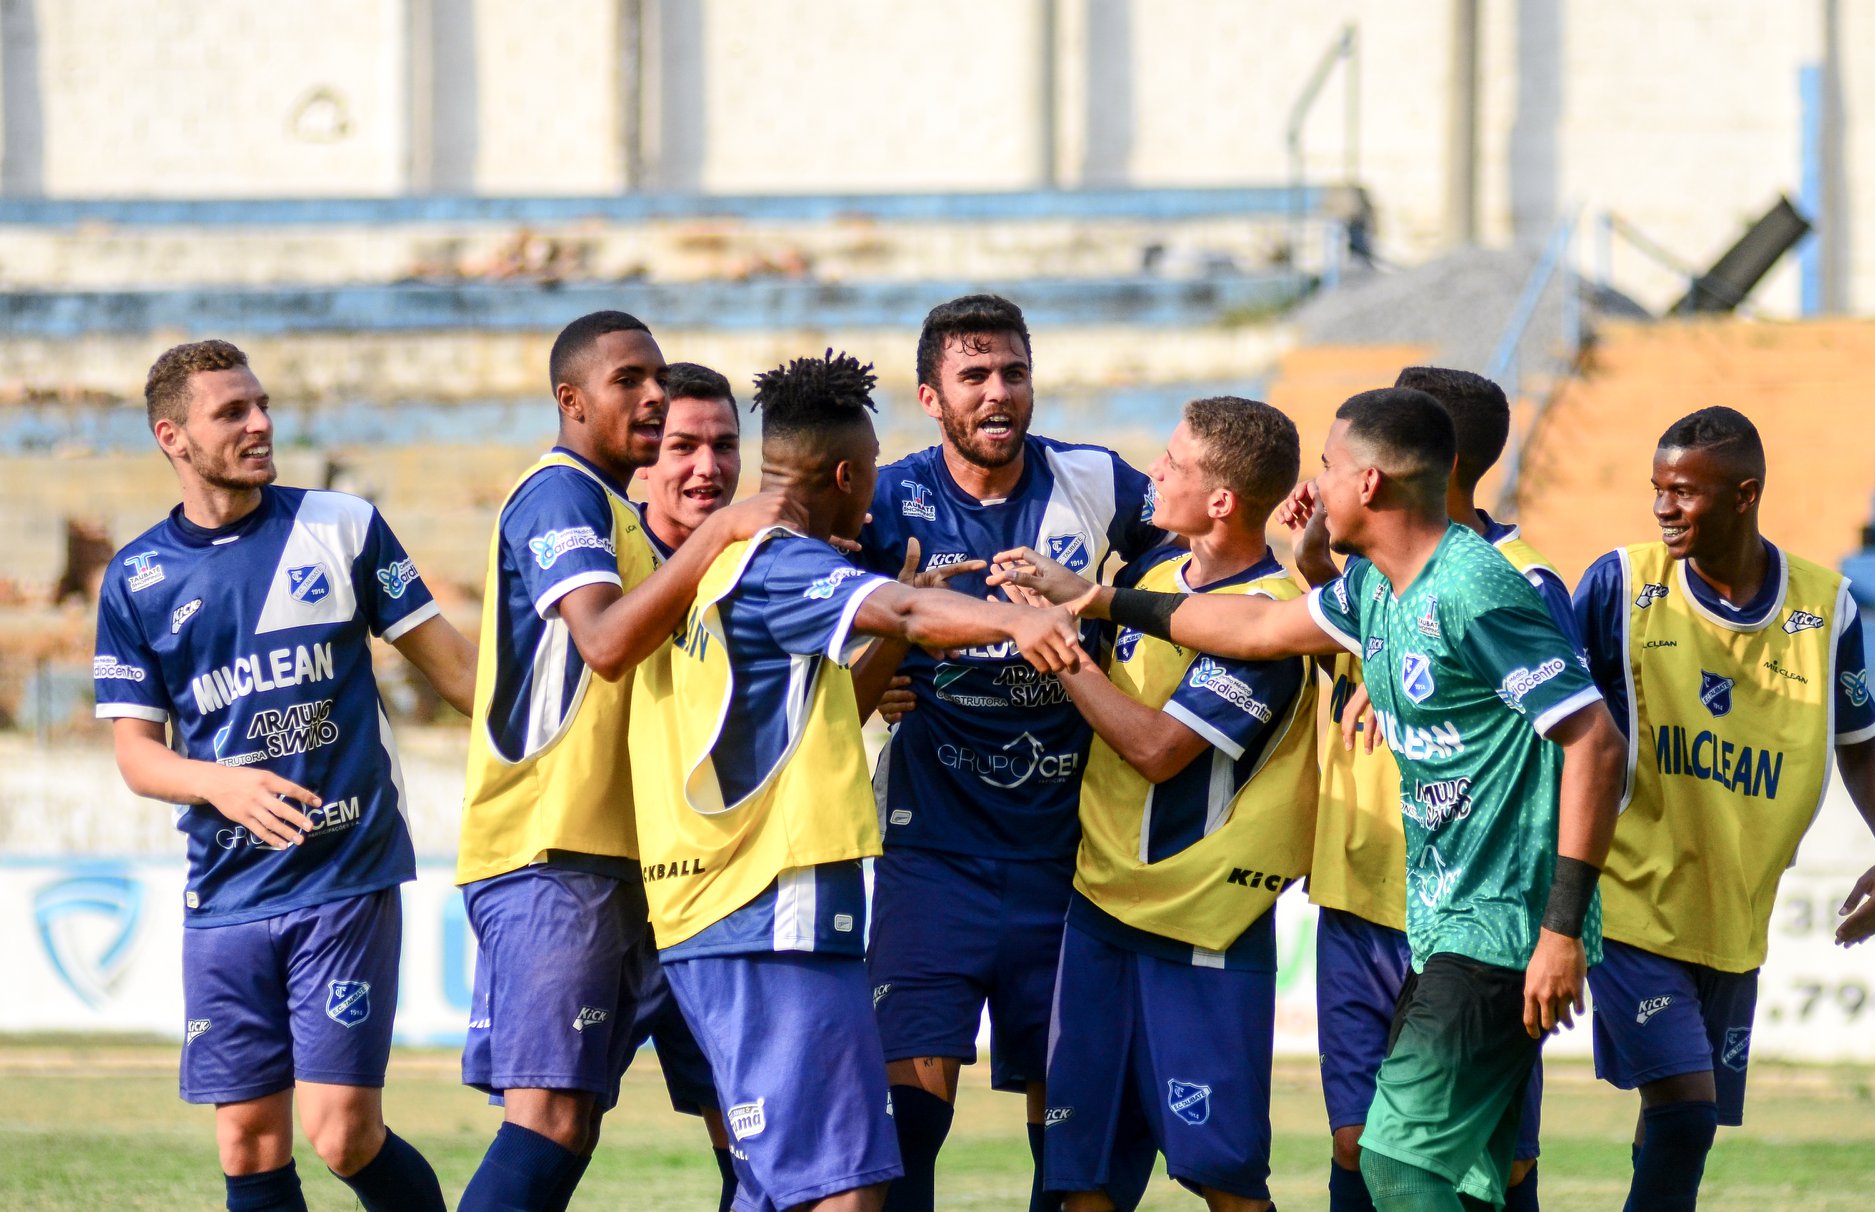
x: 1657, y: 1017
x: 661, y: 1021
x: 791, y: 1039
x: 555, y: 981
x: 327, y: 974
x: 1151, y: 1055
x: 950, y: 932
x: 1360, y: 971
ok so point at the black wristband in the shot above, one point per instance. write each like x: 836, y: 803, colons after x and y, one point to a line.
x: 1570, y: 894
x: 1145, y: 611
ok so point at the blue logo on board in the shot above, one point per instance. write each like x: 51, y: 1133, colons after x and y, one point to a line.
x: 348, y: 1003
x: 1070, y: 551
x: 1715, y: 692
x: 1189, y: 1101
x: 1416, y: 677
x: 88, y: 927
x: 308, y: 583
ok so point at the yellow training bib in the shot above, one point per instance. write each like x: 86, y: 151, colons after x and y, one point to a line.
x: 703, y: 858
x: 1209, y: 893
x: 1731, y: 733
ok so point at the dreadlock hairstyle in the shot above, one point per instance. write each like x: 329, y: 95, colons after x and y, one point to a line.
x: 814, y: 396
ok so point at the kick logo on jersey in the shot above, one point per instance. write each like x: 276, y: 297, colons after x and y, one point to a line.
x: 183, y: 614
x: 747, y: 1119
x: 1651, y: 1006
x: 1190, y: 1101
x: 308, y: 583
x: 1070, y: 551
x: 88, y: 928
x: 879, y: 993
x: 823, y: 589
x: 397, y: 576
x: 1374, y: 645
x: 589, y: 1016
x: 1416, y: 677
x: 1055, y: 1115
x: 1649, y: 592
x: 348, y: 1003
x: 195, y: 1029
x: 1802, y: 620
x: 1855, y: 687
x: 918, y: 504
x: 944, y: 559
x: 143, y: 574
x: 1736, y: 1054
x: 1715, y: 692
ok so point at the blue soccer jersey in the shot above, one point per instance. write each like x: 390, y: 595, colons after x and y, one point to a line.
x: 253, y: 643
x: 989, y: 763
x: 793, y: 607
x: 1601, y: 608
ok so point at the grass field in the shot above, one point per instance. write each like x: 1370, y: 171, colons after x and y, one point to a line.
x: 93, y: 1126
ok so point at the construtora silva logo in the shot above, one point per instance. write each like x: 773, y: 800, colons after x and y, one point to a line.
x: 88, y: 927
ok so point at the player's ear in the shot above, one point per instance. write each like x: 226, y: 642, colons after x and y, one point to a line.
x: 1370, y: 484
x: 843, y: 475
x: 1222, y: 504
x: 169, y: 437
x: 928, y: 400
x: 1748, y: 494
x: 572, y: 402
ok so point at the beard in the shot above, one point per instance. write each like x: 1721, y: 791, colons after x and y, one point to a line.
x: 227, y: 473
x: 959, y: 436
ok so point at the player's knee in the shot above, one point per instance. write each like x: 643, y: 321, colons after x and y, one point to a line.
x: 1086, y: 1201
x: 254, y: 1137
x: 1348, y: 1147
x: 345, y: 1143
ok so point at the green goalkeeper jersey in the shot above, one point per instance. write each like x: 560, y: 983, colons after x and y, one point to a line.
x: 1468, y: 673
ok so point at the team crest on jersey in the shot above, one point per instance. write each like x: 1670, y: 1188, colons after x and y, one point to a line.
x: 88, y: 929
x: 1190, y: 1101
x: 1855, y: 687
x: 1802, y: 620
x: 1715, y: 692
x: 348, y: 1003
x: 1429, y: 618
x: 308, y: 583
x: 1416, y: 677
x: 918, y: 504
x: 1374, y: 645
x: 1124, y: 645
x: 183, y: 614
x: 747, y: 1119
x: 589, y: 1016
x: 397, y: 576
x: 143, y: 574
x: 195, y: 1029
x: 1736, y: 1054
x: 1149, y: 504
x: 1649, y: 592
x: 1070, y: 551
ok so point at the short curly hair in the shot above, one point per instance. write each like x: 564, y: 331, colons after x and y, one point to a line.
x: 166, y: 390
x: 1249, y: 448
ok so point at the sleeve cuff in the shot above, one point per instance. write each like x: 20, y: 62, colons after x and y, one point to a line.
x: 1547, y: 721
x: 1205, y: 729
x: 131, y: 711
x: 402, y: 627
x: 843, y: 646
x: 1856, y: 737
x: 1350, y: 642
x: 544, y: 604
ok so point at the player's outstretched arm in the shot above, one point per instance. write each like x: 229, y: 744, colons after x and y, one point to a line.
x: 614, y: 630
x: 938, y: 618
x: 444, y: 657
x: 873, y: 673
x: 1594, y: 761
x: 1247, y: 627
x: 1151, y: 742
x: 246, y: 795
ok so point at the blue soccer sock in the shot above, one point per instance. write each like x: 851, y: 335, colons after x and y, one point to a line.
x: 1522, y: 1197
x: 268, y: 1191
x: 726, y: 1166
x: 1347, y: 1191
x: 923, y: 1120
x: 1672, y: 1158
x: 569, y: 1182
x: 398, y: 1179
x: 522, y: 1172
x: 1040, y: 1198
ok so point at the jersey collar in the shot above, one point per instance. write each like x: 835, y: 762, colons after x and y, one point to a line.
x: 191, y: 535
x: 1031, y: 453
x: 589, y: 465
x: 1266, y: 565
x: 1764, y: 606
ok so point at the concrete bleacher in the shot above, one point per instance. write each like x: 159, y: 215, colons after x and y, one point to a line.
x: 1806, y: 386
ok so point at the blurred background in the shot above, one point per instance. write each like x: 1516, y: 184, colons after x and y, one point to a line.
x: 1621, y: 212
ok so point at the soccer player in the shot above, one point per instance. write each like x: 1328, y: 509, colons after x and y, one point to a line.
x: 754, y: 809
x: 1194, y: 817
x: 576, y: 597
x: 1357, y: 878
x: 1736, y: 673
x: 979, y: 785
x: 240, y: 626
x: 1504, y: 833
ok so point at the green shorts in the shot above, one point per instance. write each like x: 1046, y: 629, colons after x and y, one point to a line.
x: 1449, y: 1096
